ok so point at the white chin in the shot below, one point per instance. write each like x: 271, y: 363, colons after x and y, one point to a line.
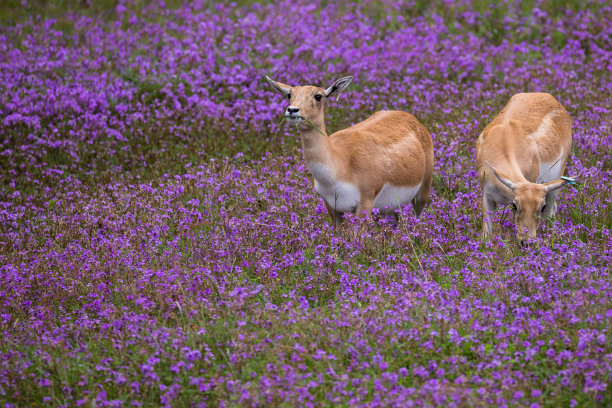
x: 294, y: 121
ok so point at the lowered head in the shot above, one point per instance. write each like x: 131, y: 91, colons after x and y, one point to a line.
x: 530, y: 201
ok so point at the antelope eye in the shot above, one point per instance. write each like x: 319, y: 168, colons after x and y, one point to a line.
x: 318, y: 97
x: 543, y: 208
x: 289, y: 96
x: 514, y: 207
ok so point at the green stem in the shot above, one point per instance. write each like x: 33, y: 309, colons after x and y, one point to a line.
x: 279, y: 128
x: 307, y: 121
x: 313, y: 125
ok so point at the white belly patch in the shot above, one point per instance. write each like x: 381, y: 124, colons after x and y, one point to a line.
x: 344, y: 197
x: 393, y: 197
x: 341, y: 197
x: 550, y: 171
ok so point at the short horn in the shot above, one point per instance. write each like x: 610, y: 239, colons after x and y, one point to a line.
x: 502, y: 179
x: 557, y: 184
x: 278, y: 86
x: 338, y: 86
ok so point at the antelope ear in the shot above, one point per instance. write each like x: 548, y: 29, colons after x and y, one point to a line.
x: 501, y: 177
x: 279, y: 86
x: 338, y: 86
x: 557, y: 184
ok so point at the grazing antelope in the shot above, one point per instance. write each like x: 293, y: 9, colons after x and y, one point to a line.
x: 526, y: 144
x: 383, y: 162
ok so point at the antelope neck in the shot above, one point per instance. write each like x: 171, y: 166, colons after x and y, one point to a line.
x: 516, y: 174
x: 512, y: 169
x: 316, y: 146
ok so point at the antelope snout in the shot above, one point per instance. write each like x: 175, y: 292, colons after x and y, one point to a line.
x: 526, y: 238
x: 292, y: 112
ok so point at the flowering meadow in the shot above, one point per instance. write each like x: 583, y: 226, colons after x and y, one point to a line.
x: 161, y: 243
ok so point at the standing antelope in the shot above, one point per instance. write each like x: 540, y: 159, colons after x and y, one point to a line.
x: 526, y: 144
x: 383, y: 162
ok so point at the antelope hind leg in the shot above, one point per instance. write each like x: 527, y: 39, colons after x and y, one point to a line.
x: 336, y: 216
x: 488, y: 206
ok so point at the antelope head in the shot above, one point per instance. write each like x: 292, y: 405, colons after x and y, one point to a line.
x: 529, y: 202
x: 307, y: 103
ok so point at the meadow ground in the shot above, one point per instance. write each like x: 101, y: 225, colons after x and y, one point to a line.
x: 161, y: 242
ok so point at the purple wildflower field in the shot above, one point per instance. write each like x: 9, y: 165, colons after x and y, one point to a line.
x: 161, y: 243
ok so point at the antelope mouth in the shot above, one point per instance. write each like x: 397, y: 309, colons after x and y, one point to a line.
x: 294, y: 118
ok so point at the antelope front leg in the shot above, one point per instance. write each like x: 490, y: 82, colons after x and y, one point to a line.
x: 365, y: 206
x: 488, y: 206
x: 364, y: 211
x: 336, y: 216
x: 551, y: 204
x: 396, y: 217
